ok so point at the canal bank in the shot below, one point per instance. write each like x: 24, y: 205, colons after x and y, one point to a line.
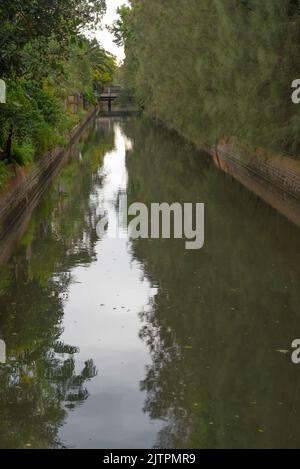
x: 273, y: 178
x: 24, y: 190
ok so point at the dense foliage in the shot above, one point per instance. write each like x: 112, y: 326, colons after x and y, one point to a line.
x: 214, y: 69
x: 46, y: 60
x: 27, y: 26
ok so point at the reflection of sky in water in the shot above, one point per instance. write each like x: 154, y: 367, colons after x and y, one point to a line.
x: 101, y: 318
x: 115, y: 182
x: 211, y: 360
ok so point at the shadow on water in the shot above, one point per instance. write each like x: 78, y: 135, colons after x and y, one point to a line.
x: 223, y: 319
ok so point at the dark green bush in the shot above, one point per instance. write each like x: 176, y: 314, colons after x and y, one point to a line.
x: 23, y: 153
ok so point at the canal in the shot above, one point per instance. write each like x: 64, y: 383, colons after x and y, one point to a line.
x: 119, y: 343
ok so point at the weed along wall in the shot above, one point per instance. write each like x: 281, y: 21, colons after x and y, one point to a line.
x: 25, y: 189
x: 274, y: 178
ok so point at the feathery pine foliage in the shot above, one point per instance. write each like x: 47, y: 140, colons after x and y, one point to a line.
x: 213, y: 69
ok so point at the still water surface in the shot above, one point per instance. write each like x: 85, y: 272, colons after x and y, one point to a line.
x: 128, y: 344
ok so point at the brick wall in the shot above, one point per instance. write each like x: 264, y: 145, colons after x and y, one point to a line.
x: 274, y: 178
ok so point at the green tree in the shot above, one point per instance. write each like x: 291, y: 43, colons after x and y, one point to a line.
x: 28, y: 26
x: 212, y: 69
x: 42, y: 45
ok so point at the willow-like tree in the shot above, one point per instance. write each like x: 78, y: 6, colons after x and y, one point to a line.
x: 215, y: 69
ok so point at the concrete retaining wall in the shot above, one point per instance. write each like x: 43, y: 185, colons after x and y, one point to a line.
x: 274, y: 178
x: 26, y: 188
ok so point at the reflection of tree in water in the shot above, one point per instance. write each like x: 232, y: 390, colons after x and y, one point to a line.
x: 39, y: 381
x: 40, y: 384
x: 220, y: 313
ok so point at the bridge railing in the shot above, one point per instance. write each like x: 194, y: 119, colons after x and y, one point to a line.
x: 111, y: 90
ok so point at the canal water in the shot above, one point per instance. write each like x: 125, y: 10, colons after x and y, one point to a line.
x: 115, y: 343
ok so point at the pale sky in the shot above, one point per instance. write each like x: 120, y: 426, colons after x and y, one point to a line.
x: 104, y: 37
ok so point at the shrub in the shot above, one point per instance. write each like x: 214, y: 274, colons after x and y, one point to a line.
x: 47, y: 102
x: 23, y: 153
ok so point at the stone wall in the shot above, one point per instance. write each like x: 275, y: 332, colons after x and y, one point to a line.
x: 26, y: 188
